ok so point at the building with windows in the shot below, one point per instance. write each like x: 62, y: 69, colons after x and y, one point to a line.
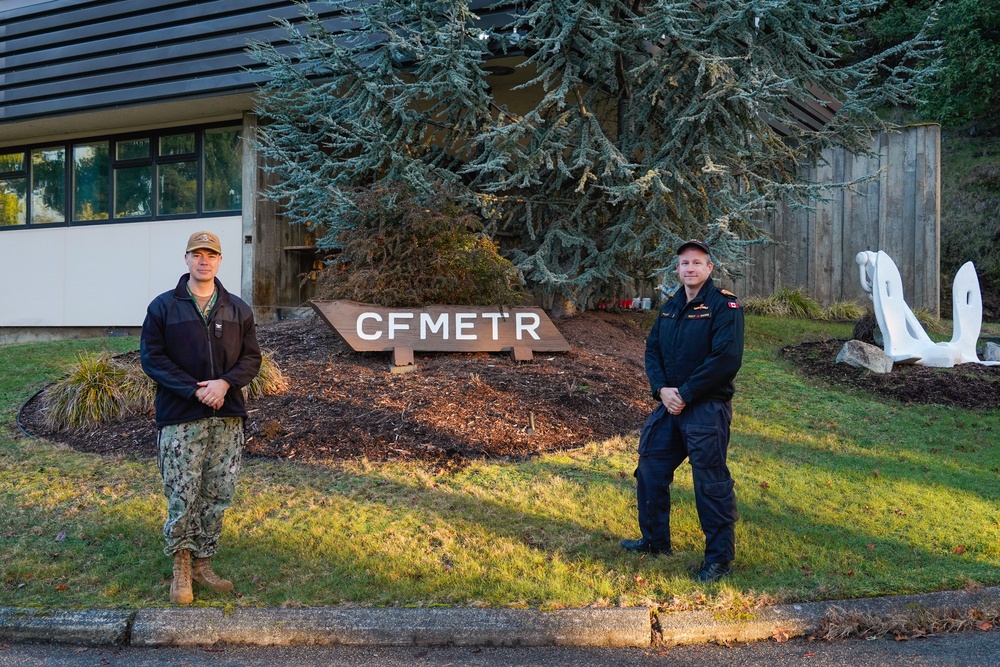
x: 124, y: 128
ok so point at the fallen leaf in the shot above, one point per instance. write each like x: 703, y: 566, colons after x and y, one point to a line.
x: 765, y: 485
x: 780, y: 635
x: 809, y: 654
x: 871, y: 546
x: 959, y: 550
x: 62, y: 587
x: 902, y: 638
x: 985, y: 626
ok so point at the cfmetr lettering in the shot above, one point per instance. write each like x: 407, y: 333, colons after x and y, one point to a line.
x: 371, y: 326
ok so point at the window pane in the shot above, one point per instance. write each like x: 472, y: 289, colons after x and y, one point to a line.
x: 133, y: 191
x: 134, y: 149
x: 223, y: 170
x: 13, y: 196
x: 177, y: 144
x: 178, y: 188
x: 10, y: 162
x: 90, y: 181
x: 48, y: 185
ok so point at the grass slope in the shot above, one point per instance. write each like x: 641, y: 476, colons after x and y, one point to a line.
x: 840, y: 496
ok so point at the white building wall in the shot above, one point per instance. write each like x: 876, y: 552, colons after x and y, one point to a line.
x: 103, y: 275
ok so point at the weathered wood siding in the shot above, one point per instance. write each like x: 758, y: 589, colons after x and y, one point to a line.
x: 898, y: 213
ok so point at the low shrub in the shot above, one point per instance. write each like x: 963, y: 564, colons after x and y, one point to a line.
x: 843, y: 311
x: 270, y: 381
x: 97, y: 388
x: 100, y: 388
x: 785, y: 303
x: 403, y: 251
x: 788, y: 302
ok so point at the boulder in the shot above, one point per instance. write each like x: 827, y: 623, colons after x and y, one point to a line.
x: 864, y: 355
x: 991, y: 352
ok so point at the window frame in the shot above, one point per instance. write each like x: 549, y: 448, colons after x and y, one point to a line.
x: 155, y: 160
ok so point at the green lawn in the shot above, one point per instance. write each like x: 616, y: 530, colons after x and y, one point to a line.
x: 840, y: 496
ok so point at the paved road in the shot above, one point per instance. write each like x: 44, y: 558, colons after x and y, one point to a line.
x: 970, y: 649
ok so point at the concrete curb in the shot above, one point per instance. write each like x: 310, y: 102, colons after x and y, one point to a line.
x: 795, y: 620
x: 90, y: 628
x: 628, y: 626
x: 394, y: 627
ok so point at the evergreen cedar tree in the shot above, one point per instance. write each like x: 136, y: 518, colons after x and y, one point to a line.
x: 652, y: 122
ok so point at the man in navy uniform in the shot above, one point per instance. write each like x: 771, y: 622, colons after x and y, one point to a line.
x: 693, y: 353
x: 199, y: 344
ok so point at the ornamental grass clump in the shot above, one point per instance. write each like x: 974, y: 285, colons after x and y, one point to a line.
x: 270, y: 381
x: 843, y: 311
x: 98, y: 388
x: 785, y: 303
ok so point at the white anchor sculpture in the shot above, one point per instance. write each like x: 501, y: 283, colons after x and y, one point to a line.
x: 904, y: 339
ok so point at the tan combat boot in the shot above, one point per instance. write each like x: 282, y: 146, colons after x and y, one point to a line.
x: 202, y: 573
x: 180, y: 587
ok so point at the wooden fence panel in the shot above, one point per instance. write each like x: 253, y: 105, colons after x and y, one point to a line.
x: 898, y: 212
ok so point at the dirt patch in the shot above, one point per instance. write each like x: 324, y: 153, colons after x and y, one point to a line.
x: 346, y: 405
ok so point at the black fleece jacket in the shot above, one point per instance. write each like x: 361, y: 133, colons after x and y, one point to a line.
x: 696, y: 346
x: 178, y: 350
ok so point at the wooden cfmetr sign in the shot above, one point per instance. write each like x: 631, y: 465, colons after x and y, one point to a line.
x: 368, y: 328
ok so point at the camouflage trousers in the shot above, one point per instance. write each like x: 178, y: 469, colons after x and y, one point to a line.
x: 199, y: 462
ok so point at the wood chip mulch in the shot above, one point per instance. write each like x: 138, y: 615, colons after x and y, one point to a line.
x: 341, y: 404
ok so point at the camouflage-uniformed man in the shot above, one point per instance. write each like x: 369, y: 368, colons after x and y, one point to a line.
x: 199, y: 344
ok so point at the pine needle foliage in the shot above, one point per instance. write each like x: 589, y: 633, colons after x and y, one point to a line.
x: 649, y: 122
x: 397, y: 253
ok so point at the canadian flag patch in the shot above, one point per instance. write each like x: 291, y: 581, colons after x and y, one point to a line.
x: 733, y: 304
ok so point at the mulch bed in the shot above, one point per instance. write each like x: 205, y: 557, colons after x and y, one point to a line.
x: 973, y: 386
x: 342, y: 404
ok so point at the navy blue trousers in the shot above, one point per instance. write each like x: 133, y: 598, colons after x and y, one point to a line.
x: 700, y: 434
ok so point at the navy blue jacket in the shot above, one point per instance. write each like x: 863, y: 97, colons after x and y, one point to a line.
x: 178, y: 350
x: 697, y: 346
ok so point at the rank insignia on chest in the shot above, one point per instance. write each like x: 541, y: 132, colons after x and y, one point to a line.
x: 701, y: 307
